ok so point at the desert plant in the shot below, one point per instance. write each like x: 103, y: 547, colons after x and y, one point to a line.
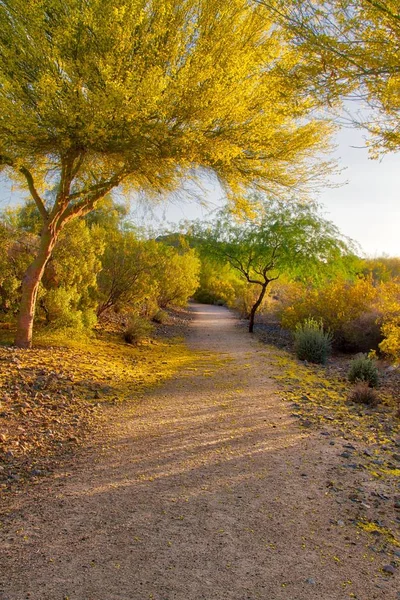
x: 311, y: 342
x: 160, y: 317
x: 364, y: 369
x: 137, y: 329
x: 342, y: 305
x: 362, y: 393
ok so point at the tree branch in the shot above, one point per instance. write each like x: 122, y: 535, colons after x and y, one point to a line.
x: 34, y: 193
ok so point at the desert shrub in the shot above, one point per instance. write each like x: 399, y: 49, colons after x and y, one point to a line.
x: 160, y: 317
x: 362, y: 393
x: 311, y: 342
x: 390, y: 307
x: 176, y: 275
x: 127, y: 276
x: 137, y: 329
x: 363, y: 333
x: 364, y: 369
x: 60, y: 306
x: 218, y: 284
x: 341, y: 306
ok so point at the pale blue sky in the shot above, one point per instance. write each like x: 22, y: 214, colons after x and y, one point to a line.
x: 366, y: 209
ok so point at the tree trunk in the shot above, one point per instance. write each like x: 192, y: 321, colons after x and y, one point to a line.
x: 256, y: 305
x: 30, y: 286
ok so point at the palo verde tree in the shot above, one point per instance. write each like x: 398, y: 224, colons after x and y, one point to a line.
x: 353, y: 47
x: 290, y: 238
x: 96, y: 95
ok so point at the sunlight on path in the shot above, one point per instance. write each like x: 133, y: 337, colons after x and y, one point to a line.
x: 207, y: 490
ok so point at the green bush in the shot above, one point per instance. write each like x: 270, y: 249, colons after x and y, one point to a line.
x: 311, y: 342
x: 364, y: 369
x: 137, y: 330
x: 160, y: 317
x: 363, y: 394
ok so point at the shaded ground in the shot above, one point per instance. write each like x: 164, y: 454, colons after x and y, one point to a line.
x: 208, y: 489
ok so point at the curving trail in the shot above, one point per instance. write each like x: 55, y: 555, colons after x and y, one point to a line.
x: 207, y: 490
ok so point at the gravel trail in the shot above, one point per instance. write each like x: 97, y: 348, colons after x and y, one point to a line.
x: 209, y: 489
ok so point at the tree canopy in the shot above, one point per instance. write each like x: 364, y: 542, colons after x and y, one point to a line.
x: 291, y: 238
x: 353, y: 47
x: 97, y: 94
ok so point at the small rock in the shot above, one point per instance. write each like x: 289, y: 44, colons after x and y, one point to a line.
x: 345, y: 455
x: 340, y: 523
x: 368, y: 453
x: 396, y: 553
x: 389, y: 569
x: 332, y: 443
x: 350, y: 446
x: 310, y: 581
x: 396, y: 457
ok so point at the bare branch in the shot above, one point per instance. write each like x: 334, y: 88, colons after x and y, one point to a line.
x: 34, y: 193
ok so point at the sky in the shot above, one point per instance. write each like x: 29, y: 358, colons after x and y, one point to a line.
x: 366, y: 208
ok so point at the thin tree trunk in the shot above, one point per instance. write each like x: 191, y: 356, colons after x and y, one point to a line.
x: 30, y: 286
x: 256, y: 306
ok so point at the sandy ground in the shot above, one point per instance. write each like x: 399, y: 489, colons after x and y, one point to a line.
x: 207, y: 490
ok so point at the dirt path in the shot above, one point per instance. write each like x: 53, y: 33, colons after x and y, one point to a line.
x: 207, y: 490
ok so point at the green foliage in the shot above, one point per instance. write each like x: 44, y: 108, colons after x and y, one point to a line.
x: 352, y: 46
x: 126, y: 277
x: 16, y: 251
x: 364, y: 369
x: 137, y: 330
x: 141, y: 95
x: 160, y: 317
x: 177, y: 275
x: 348, y: 310
x: 362, y: 393
x: 277, y: 238
x: 311, y: 342
x: 60, y: 306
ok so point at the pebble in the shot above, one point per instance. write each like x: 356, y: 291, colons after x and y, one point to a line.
x: 340, y: 523
x: 345, y: 454
x: 389, y: 569
x: 310, y: 581
x: 396, y: 457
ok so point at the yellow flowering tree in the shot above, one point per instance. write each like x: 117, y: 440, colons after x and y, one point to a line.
x: 95, y: 95
x: 353, y: 49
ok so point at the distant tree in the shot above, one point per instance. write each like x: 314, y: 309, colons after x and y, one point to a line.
x: 128, y: 270
x: 97, y: 94
x: 281, y: 238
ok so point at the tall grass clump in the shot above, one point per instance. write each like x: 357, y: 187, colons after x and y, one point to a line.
x: 311, y: 342
x: 138, y: 329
